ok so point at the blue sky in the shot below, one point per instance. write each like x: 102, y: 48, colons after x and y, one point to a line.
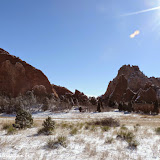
x: 81, y: 44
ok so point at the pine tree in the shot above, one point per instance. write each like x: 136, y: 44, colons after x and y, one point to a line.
x: 23, y: 119
x: 48, y: 125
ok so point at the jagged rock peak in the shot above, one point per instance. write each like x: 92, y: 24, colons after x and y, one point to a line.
x: 125, y: 69
x: 61, y: 91
x: 2, y: 51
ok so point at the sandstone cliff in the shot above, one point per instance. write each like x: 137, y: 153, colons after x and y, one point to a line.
x: 130, y: 81
x: 17, y: 77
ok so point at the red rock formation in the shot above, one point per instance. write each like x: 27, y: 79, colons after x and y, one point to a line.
x: 136, y: 80
x: 77, y: 98
x: 143, y: 107
x: 2, y: 51
x: 17, y: 76
x: 61, y: 91
x: 81, y: 97
x: 120, y: 89
x: 128, y: 95
x: 148, y: 96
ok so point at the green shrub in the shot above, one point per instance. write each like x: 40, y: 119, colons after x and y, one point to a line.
x: 52, y: 144
x: 105, y: 128
x: 64, y: 125
x: 132, y: 144
x: 11, y: 130
x: 74, y: 131
x: 129, y: 137
x: 6, y: 126
x: 125, y: 135
x: 123, y: 127
x: 157, y: 130
x: 48, y: 126
x: 23, y: 119
x: 56, y: 143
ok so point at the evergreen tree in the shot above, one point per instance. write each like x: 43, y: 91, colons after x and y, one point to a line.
x: 48, y: 125
x: 23, y: 119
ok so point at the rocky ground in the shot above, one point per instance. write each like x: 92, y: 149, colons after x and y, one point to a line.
x: 83, y: 140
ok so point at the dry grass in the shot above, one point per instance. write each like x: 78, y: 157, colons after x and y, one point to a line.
x: 105, y: 122
x: 4, y: 122
x: 87, y: 139
x: 104, y: 155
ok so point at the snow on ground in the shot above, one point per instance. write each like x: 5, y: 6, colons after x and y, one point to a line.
x: 87, y: 144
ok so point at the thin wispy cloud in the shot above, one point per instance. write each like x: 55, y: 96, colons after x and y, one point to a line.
x: 142, y: 11
x: 137, y: 32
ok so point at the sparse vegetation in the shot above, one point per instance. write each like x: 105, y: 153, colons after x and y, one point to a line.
x: 136, y: 127
x: 48, y: 126
x: 125, y: 135
x: 129, y: 137
x: 93, y: 128
x: 5, y: 126
x: 157, y: 130
x: 80, y: 125
x: 105, y: 122
x: 87, y: 144
x: 105, y: 128
x: 109, y: 140
x: 74, y: 131
x: 123, y: 127
x: 64, y: 125
x: 86, y: 127
x: 56, y: 143
x: 132, y: 144
x: 11, y: 130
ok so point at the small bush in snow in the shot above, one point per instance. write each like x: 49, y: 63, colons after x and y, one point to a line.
x: 136, y: 127
x: 64, y: 125
x: 132, y: 144
x: 157, y: 130
x: 6, y: 126
x: 93, y: 128
x: 109, y: 140
x: 129, y: 137
x: 105, y: 122
x: 56, y: 143
x: 123, y: 127
x: 125, y: 135
x: 23, y: 119
x: 80, y: 125
x: 86, y: 127
x: 48, y: 126
x: 105, y: 128
x: 11, y: 130
x: 74, y: 131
